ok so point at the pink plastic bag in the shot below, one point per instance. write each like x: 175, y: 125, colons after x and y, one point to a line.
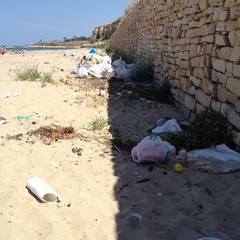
x: 151, y: 150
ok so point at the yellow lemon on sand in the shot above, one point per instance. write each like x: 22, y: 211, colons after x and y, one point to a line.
x: 178, y: 167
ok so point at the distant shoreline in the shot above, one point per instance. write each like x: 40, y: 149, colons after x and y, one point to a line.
x: 38, y: 48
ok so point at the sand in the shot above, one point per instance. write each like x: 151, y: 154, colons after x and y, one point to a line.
x: 105, y: 194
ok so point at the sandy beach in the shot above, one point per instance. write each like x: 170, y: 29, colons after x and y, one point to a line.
x: 105, y: 195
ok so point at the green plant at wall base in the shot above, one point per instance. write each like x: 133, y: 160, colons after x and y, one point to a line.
x: 208, y: 129
x: 145, y: 73
x: 98, y: 123
x: 160, y: 94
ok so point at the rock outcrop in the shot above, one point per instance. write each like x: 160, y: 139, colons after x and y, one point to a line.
x: 106, y: 31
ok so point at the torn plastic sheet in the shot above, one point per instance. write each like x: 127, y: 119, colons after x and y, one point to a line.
x: 218, y: 159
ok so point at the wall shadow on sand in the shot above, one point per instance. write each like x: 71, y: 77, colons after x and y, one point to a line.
x: 139, y: 187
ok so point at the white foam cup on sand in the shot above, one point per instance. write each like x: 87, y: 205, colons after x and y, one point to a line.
x: 43, y: 191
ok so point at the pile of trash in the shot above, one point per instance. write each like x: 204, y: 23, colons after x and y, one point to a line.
x: 103, y: 67
x: 215, y: 159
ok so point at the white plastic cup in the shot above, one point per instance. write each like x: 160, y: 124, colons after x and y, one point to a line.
x: 43, y: 191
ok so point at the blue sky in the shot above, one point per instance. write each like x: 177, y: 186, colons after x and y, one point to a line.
x: 28, y: 21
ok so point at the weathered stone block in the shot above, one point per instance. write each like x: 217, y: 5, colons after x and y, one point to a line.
x: 202, y: 98
x: 185, y: 84
x: 209, y: 38
x: 219, y: 65
x: 216, y: 14
x: 189, y: 102
x: 236, y: 71
x: 238, y: 105
x: 215, y: 3
x: 221, y: 27
x: 199, y: 108
x: 235, y: 54
x: 193, y: 51
x: 221, y: 40
x: 230, y: 3
x: 222, y: 93
x: 233, y: 84
x: 224, y: 15
x: 212, y: 88
x: 216, y: 105
x: 234, y: 38
x: 231, y: 25
x: 231, y: 114
x: 192, y: 90
x: 203, y: 4
x: 224, y: 53
x: 198, y: 72
x: 232, y: 98
x: 195, y: 81
x: 219, y: 77
x: 207, y: 49
x: 236, y: 137
x: 234, y: 12
x: 198, y: 61
x: 229, y: 69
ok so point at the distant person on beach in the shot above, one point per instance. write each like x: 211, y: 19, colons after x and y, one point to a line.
x: 4, y: 50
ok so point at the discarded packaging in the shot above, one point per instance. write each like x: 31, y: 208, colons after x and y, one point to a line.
x: 43, y: 191
x: 151, y: 149
x: 217, y: 159
x: 167, y: 125
x: 8, y: 95
x: 3, y: 120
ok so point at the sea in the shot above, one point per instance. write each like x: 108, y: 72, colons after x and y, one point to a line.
x: 35, y: 48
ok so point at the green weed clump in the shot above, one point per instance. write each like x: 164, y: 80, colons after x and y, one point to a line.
x: 98, y: 123
x: 161, y: 94
x: 31, y: 73
x: 208, y: 129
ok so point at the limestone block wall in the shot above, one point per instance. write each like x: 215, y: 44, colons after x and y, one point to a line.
x: 195, y: 44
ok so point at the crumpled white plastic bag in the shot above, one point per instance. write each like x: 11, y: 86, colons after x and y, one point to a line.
x: 82, y: 72
x: 167, y: 125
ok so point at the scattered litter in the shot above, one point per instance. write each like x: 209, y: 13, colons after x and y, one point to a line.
x: 214, y: 233
x: 218, y: 159
x: 8, y: 95
x: 182, y: 157
x: 151, y: 149
x: 102, y: 67
x: 101, y: 92
x: 178, y: 167
x: 167, y: 125
x: 3, y: 120
x: 22, y: 117
x: 135, y: 217
x: 43, y: 191
x: 92, y: 50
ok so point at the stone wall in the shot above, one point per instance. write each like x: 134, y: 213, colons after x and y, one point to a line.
x: 195, y: 44
x: 106, y: 31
